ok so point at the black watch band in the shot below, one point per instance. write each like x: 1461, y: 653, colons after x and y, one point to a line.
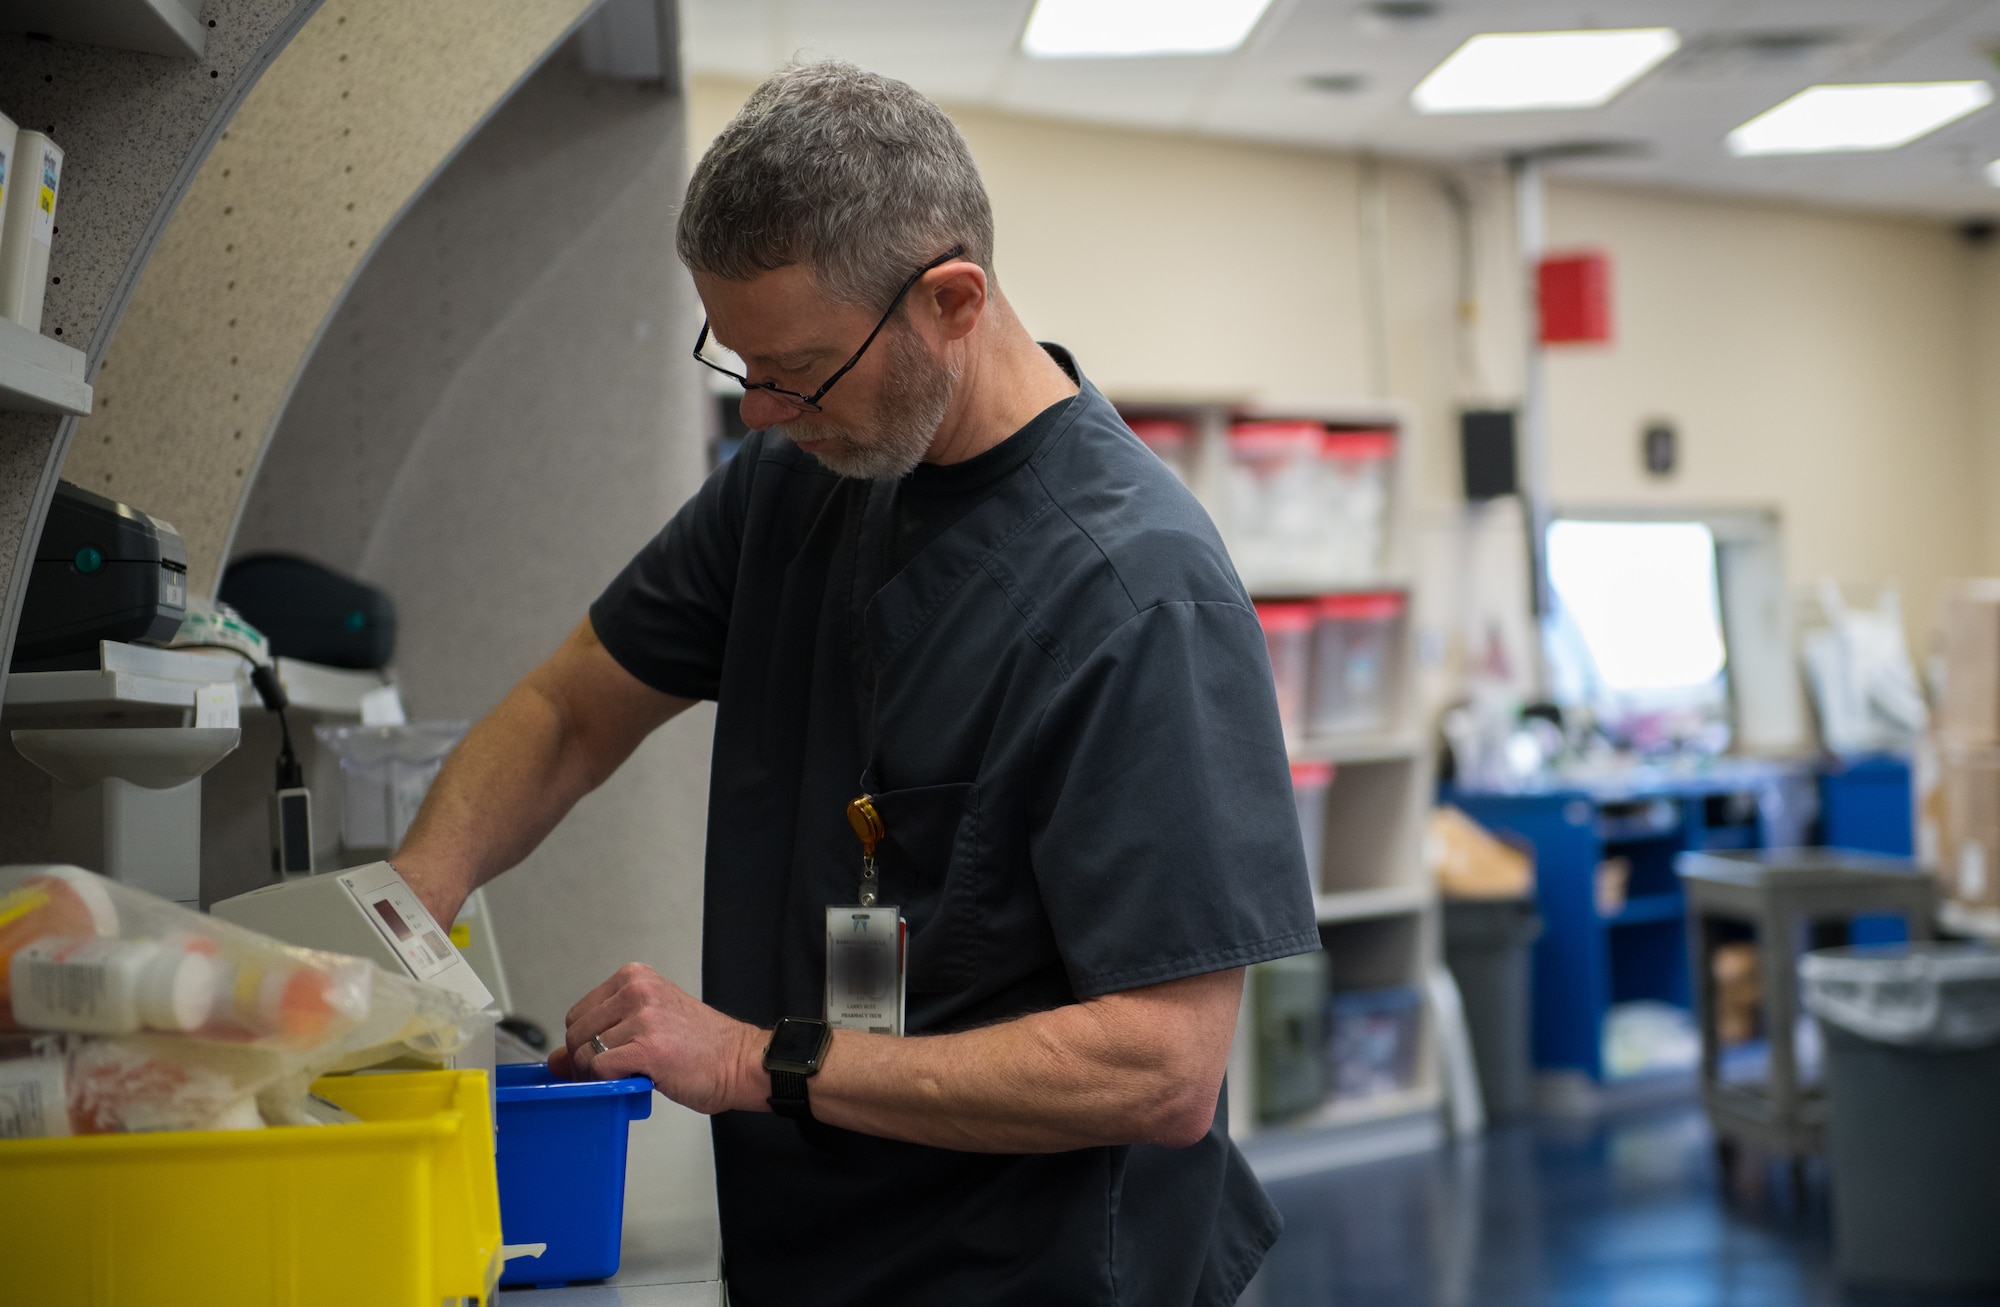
x: 792, y: 1058
x: 788, y: 1096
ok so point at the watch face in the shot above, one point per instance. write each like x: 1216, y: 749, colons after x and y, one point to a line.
x: 797, y: 1041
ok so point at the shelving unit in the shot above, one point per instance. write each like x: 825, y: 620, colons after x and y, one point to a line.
x: 1377, y: 910
x: 164, y: 27
x: 39, y: 374
x: 131, y: 676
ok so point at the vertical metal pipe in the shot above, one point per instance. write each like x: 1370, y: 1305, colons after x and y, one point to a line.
x: 1531, y: 234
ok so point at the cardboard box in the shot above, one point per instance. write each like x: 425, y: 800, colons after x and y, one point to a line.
x: 1969, y: 622
x: 1969, y: 847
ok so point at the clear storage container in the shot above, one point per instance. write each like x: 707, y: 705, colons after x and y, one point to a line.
x: 385, y: 772
x: 1355, y: 676
x: 1276, y: 515
x: 1172, y: 441
x: 1371, y: 1042
x: 1288, y: 631
x: 1310, y: 782
x: 1354, y: 498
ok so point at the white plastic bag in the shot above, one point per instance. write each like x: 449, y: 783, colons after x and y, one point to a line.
x: 1916, y: 995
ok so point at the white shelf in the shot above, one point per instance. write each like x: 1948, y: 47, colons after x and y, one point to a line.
x: 166, y: 27
x: 39, y: 374
x: 1981, y: 923
x: 1347, y: 1134
x: 1365, y: 904
x: 140, y: 676
x: 1372, y: 746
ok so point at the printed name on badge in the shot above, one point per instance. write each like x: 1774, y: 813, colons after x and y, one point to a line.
x: 864, y: 968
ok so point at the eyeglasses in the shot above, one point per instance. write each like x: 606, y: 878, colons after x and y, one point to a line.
x: 810, y: 403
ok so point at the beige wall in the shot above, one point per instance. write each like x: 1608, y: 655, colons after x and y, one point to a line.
x: 1818, y: 361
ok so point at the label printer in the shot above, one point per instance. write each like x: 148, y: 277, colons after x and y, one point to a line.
x: 102, y: 571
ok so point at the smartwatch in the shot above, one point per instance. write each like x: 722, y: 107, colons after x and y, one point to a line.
x: 793, y: 1057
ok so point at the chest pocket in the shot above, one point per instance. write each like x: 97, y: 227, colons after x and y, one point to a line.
x: 933, y: 857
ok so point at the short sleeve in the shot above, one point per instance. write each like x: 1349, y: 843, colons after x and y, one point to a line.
x: 665, y: 617
x: 1165, y: 839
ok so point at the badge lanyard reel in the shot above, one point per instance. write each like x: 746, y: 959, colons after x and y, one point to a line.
x: 864, y: 944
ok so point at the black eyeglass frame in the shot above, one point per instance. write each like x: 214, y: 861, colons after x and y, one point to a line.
x: 810, y: 403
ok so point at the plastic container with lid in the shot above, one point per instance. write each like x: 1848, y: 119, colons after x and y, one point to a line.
x: 1173, y: 441
x: 1310, y: 782
x: 1276, y: 515
x: 562, y: 1170
x: 1353, y: 486
x: 1288, y: 639
x: 1355, y: 675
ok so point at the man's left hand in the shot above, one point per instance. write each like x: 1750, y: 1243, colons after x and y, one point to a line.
x: 652, y: 1027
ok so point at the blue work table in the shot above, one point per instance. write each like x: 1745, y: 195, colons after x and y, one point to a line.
x: 1585, y: 961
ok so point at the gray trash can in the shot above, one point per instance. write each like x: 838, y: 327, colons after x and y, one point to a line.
x: 1487, y: 947
x: 1913, y: 1078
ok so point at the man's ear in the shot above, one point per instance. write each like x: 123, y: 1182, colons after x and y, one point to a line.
x: 955, y: 295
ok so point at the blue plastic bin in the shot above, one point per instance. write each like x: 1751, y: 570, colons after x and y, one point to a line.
x: 561, y: 1160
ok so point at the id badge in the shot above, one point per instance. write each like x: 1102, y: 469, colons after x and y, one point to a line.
x: 864, y: 968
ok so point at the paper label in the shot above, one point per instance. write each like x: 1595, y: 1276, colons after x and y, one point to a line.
x: 43, y: 228
x: 66, y: 984
x: 409, y: 929
x: 382, y: 706
x: 864, y: 969
x: 216, y: 705
x: 173, y: 588
x: 32, y: 1103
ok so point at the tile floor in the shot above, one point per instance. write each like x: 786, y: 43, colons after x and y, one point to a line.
x: 1623, y: 1212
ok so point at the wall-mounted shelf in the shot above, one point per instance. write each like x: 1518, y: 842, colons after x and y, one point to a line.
x: 166, y: 27
x: 137, y: 676
x: 39, y: 374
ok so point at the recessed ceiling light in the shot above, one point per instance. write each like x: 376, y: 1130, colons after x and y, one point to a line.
x: 1879, y: 116
x: 1501, y: 72
x: 1087, y: 29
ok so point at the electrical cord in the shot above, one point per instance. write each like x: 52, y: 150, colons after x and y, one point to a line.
x: 264, y: 678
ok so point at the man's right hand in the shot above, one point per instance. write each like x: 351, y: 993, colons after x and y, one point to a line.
x: 557, y: 735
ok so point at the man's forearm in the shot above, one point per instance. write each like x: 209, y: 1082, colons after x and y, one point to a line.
x: 501, y: 791
x: 1144, y: 1067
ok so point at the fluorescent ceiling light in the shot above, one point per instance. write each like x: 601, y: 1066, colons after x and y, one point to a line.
x: 1880, y: 116
x: 1502, y: 72
x: 1085, y: 29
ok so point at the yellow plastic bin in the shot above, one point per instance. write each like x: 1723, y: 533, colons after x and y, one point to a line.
x: 400, y: 1209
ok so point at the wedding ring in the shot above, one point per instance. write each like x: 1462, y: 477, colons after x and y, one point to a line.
x: 597, y: 1042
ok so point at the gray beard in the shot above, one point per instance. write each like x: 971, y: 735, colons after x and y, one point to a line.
x: 914, y: 399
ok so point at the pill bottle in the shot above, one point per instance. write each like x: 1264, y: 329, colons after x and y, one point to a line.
x: 110, y: 986
x: 257, y: 996
x: 65, y: 901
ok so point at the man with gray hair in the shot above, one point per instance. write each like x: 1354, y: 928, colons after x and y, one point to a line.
x: 998, y: 805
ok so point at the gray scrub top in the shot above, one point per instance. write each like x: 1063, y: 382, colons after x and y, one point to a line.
x: 1063, y: 708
